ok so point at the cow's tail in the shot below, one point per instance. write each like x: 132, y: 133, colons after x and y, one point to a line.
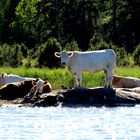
x: 115, y: 69
x: 115, y: 65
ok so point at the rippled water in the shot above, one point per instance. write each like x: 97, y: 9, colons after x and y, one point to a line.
x: 57, y: 123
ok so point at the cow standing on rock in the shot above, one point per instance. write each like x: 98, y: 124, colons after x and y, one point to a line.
x: 91, y: 61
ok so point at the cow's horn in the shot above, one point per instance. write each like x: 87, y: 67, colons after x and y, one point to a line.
x: 70, y: 54
x: 57, y: 54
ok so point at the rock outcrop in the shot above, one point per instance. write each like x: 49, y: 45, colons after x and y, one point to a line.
x: 89, y: 97
x: 84, y: 97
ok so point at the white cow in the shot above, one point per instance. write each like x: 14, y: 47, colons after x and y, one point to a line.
x: 10, y: 78
x: 92, y: 61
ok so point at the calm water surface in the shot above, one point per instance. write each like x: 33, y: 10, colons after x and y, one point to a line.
x: 120, y: 123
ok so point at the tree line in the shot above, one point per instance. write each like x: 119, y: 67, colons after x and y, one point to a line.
x: 29, y: 25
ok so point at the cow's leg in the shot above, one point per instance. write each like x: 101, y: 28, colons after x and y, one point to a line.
x: 31, y: 93
x: 109, y: 77
x: 78, y: 79
x: 106, y: 78
x: 36, y: 95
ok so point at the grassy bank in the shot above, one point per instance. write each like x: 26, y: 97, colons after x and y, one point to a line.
x: 58, y: 77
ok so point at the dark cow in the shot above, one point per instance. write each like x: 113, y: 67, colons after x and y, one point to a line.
x: 16, y: 90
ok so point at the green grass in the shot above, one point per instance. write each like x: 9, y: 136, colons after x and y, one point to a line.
x: 58, y: 77
x: 128, y: 71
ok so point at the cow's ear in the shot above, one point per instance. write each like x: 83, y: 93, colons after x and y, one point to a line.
x: 3, y: 74
x: 70, y: 54
x: 45, y: 82
x: 57, y: 54
x: 34, y: 81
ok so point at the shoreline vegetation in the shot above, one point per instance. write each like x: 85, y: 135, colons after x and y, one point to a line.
x: 61, y: 77
x: 92, y: 92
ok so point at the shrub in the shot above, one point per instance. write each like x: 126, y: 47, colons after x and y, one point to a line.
x: 12, y: 55
x: 124, y: 58
x: 72, y: 46
x: 46, y: 53
x: 136, y: 55
x: 99, y: 45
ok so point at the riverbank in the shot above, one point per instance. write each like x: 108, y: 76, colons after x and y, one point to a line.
x: 84, y: 97
x: 7, y: 103
x: 91, y: 95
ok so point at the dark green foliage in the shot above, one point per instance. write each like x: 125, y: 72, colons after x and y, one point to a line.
x: 46, y: 55
x: 92, y: 24
x: 72, y: 46
x: 35, y: 21
x: 7, y: 14
x: 126, y: 24
x: 12, y: 55
x: 137, y: 55
x: 100, y: 45
x: 80, y: 21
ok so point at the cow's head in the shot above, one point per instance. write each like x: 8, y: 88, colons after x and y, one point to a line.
x: 64, y: 56
x: 40, y: 85
x: 2, y: 78
x: 47, y: 87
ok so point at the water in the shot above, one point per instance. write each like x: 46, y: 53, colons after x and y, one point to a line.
x: 57, y: 123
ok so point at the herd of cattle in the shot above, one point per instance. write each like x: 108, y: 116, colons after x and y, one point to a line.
x: 14, y: 86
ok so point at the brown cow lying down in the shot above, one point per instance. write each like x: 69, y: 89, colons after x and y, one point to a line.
x: 125, y: 82
x: 39, y: 88
x: 16, y: 90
